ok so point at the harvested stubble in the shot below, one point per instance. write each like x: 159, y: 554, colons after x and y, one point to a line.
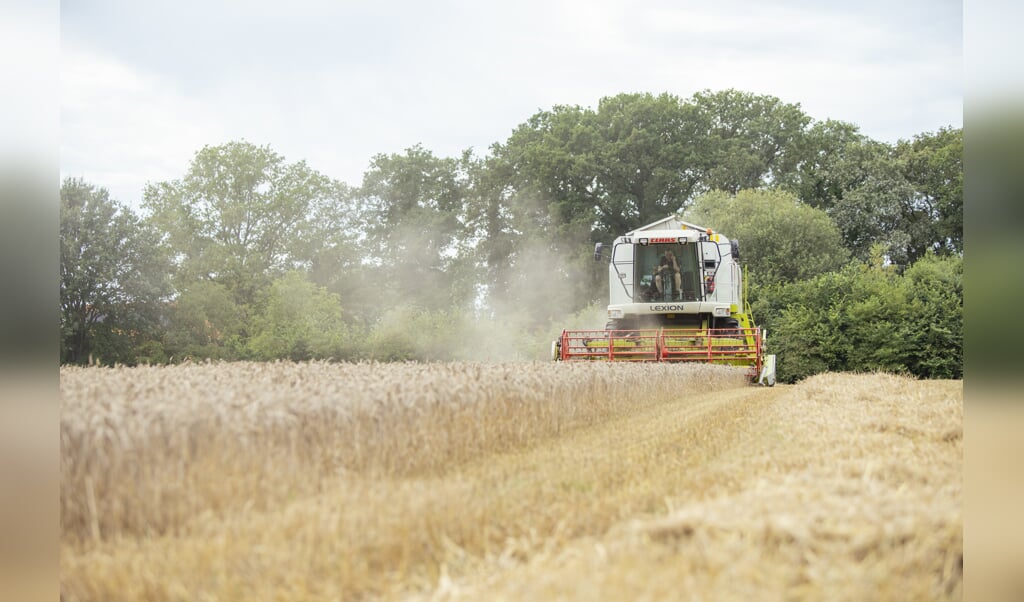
x: 849, y: 487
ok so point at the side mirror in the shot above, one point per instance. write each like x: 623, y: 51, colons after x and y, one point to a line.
x: 598, y: 251
x: 735, y: 244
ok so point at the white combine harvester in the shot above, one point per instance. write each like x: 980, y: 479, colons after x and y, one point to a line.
x: 675, y: 295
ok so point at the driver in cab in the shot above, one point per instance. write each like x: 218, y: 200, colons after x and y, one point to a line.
x: 668, y: 266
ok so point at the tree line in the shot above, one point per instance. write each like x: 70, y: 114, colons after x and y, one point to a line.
x: 250, y: 256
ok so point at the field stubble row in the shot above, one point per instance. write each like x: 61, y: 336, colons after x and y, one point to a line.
x: 845, y: 487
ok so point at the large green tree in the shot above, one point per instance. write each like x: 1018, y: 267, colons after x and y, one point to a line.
x: 745, y: 140
x: 241, y: 216
x: 546, y: 174
x: 640, y: 157
x: 780, y: 238
x: 573, y: 176
x: 414, y: 208
x: 648, y: 160
x: 819, y: 177
x: 874, y: 203
x: 932, y: 164
x: 113, y: 278
x: 908, y: 197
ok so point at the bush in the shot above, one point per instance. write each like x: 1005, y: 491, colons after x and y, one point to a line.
x: 300, y: 321
x: 205, y: 322
x: 868, y: 318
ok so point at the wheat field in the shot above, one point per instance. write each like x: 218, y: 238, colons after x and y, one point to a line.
x: 448, y: 481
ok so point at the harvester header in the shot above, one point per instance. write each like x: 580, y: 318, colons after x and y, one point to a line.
x: 675, y: 295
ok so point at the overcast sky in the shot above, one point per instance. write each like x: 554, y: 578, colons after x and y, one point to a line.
x: 147, y: 84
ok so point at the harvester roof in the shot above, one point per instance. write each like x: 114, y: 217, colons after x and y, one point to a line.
x: 671, y: 222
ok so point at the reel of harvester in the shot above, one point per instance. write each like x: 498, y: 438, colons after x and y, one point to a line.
x: 726, y: 346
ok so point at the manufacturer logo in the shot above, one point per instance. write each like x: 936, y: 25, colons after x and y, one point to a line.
x: 666, y: 308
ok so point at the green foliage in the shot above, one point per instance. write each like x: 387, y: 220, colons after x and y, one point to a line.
x: 820, y: 178
x: 867, y: 318
x: 466, y: 258
x: 113, y: 279
x: 299, y: 321
x: 409, y: 333
x: 874, y: 198
x: 645, y: 157
x: 546, y: 176
x: 933, y: 164
x: 205, y: 321
x: 746, y: 140
x: 909, y: 197
x: 414, y: 208
x: 936, y: 300
x: 241, y: 216
x: 781, y: 239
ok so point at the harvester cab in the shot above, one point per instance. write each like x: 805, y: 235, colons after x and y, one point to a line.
x: 675, y: 295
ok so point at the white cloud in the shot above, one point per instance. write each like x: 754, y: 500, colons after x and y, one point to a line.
x: 121, y: 128
x: 890, y: 79
x: 337, y: 87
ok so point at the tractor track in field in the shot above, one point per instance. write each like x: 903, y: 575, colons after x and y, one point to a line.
x: 673, y: 424
x: 657, y: 453
x: 683, y: 435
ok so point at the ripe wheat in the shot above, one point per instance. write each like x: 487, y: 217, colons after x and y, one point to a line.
x: 145, y: 449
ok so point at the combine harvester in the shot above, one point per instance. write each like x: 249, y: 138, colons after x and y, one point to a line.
x: 675, y: 295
